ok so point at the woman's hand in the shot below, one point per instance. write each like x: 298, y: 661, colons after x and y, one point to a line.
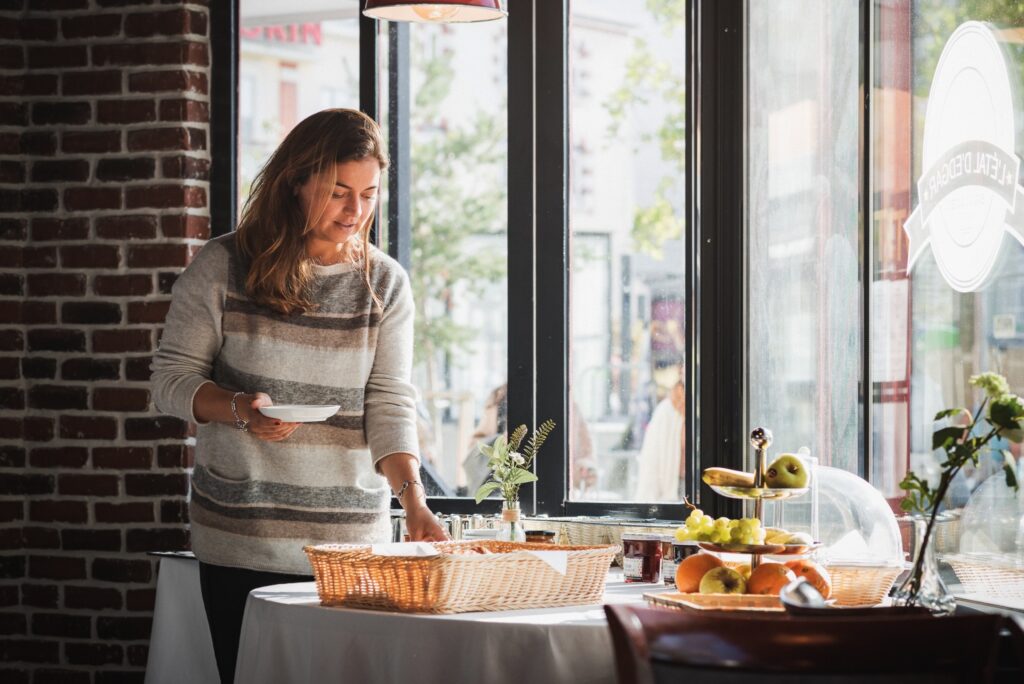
x: 261, y: 426
x: 422, y: 525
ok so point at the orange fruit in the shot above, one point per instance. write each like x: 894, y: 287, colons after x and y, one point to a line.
x: 814, y: 573
x: 769, y: 578
x: 692, y: 569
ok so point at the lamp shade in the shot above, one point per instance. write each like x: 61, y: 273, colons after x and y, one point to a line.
x: 436, y: 11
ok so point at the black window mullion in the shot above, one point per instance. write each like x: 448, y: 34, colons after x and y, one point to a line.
x: 691, y: 239
x: 867, y: 390
x: 720, y: 215
x: 399, y: 196
x: 368, y: 68
x: 224, y: 117
x: 521, y: 226
x: 552, y: 234
x: 369, y: 88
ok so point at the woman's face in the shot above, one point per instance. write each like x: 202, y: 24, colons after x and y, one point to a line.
x: 350, y: 189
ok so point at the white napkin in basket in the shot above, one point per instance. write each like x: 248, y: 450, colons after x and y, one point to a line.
x: 403, y: 549
x: 558, y: 560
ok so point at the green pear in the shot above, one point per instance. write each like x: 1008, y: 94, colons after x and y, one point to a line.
x: 786, y: 472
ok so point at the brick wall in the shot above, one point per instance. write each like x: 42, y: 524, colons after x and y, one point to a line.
x: 104, y: 168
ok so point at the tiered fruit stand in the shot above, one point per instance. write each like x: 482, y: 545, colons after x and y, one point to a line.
x: 760, y: 439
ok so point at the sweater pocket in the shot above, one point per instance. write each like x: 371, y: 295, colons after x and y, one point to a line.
x: 216, y: 474
x: 373, y: 485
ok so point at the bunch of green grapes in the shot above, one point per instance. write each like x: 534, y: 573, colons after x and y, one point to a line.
x: 702, y: 527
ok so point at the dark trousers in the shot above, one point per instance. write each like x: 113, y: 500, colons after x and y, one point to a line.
x: 224, y: 593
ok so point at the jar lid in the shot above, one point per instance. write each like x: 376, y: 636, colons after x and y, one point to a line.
x: 636, y: 536
x: 539, y: 533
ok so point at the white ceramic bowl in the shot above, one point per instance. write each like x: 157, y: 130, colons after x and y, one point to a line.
x: 299, y: 413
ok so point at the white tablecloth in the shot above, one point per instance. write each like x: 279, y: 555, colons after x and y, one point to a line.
x: 180, y: 649
x: 288, y: 637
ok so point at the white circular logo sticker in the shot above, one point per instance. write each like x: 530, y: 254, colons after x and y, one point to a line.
x: 968, y: 190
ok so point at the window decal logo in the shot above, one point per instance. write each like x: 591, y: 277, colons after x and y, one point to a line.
x: 968, y: 194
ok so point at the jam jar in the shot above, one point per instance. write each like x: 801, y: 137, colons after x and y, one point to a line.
x: 683, y: 550
x: 540, y: 536
x: 680, y: 551
x: 641, y: 557
x: 668, y: 560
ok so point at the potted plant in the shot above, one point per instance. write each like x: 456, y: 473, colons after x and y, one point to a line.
x: 962, y: 444
x: 511, y: 468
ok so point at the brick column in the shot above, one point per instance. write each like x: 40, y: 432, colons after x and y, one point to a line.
x: 104, y: 165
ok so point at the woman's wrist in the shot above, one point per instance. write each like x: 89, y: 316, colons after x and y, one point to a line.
x: 213, y: 404
x: 417, y: 507
x: 411, y: 495
x: 402, y: 471
x: 238, y: 406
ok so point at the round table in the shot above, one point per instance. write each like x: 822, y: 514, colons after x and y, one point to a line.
x: 287, y: 636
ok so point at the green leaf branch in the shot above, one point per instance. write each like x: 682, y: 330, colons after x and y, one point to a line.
x: 511, y: 461
x: 1005, y: 419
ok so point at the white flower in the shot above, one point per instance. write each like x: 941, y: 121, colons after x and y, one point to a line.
x: 516, y: 457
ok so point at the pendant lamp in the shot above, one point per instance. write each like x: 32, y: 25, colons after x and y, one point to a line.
x: 436, y: 11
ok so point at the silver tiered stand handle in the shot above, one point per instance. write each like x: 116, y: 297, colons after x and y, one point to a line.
x: 760, y: 439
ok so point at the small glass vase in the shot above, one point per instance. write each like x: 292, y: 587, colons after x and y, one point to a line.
x: 511, y: 526
x: 924, y: 586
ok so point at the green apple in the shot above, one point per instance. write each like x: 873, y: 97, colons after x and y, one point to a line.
x: 722, y: 580
x: 786, y: 472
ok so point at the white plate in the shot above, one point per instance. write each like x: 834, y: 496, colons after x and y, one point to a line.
x: 299, y: 413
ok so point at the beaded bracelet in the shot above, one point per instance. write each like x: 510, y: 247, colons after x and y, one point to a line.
x: 405, y: 485
x: 240, y: 422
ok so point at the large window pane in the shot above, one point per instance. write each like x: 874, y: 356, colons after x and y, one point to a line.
x: 627, y: 126
x: 294, y: 60
x: 804, y: 340
x: 458, y: 266
x: 948, y: 280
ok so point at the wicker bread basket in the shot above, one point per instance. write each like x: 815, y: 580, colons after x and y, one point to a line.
x: 584, y: 533
x: 861, y: 585
x: 987, y: 573
x: 590, y: 533
x: 461, y: 579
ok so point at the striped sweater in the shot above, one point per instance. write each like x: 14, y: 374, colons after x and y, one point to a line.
x: 254, y: 504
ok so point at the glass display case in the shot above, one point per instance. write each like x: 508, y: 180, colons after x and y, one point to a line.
x: 990, y: 562
x: 853, y: 522
x: 860, y: 538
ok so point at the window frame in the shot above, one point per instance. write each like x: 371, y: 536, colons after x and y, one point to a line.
x: 539, y: 243
x: 539, y: 238
x: 224, y: 78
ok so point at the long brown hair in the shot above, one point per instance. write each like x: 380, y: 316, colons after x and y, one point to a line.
x: 272, y: 230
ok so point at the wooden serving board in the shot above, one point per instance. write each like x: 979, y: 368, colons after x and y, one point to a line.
x: 681, y: 601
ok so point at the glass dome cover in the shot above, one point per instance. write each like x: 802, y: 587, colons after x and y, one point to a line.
x: 992, y: 524
x: 854, y: 522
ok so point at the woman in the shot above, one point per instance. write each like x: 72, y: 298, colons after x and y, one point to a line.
x: 295, y: 307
